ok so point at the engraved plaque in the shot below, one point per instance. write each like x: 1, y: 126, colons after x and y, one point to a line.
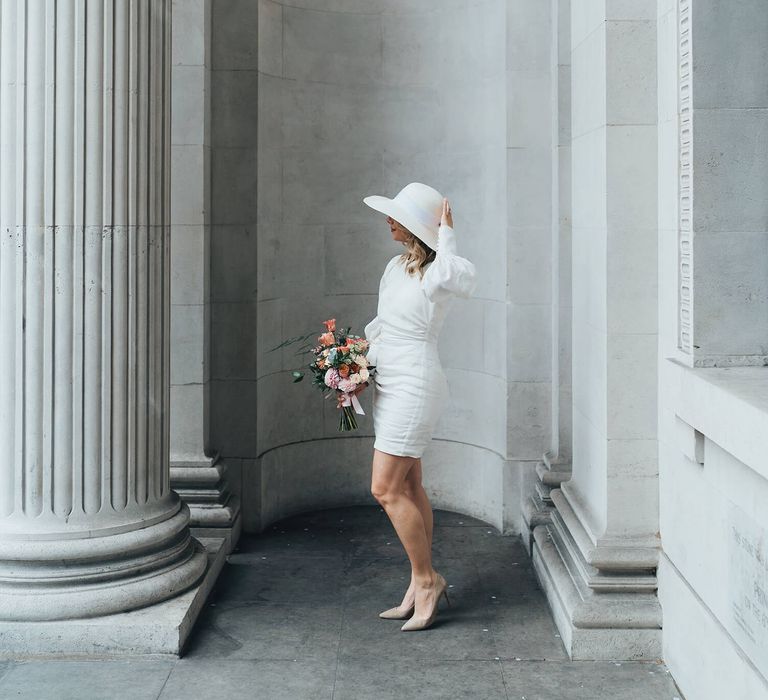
x: 748, y: 586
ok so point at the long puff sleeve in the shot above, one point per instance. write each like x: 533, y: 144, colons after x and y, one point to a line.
x: 449, y: 273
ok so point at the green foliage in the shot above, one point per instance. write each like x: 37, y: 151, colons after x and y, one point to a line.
x: 296, y: 339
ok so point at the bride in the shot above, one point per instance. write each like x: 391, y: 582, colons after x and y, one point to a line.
x: 410, y: 388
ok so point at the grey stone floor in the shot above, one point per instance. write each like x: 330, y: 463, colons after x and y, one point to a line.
x: 294, y: 615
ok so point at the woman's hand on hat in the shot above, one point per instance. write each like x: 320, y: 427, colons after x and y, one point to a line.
x: 447, y: 218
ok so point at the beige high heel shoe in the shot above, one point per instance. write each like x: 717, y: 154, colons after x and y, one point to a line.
x: 441, y: 589
x: 397, y: 613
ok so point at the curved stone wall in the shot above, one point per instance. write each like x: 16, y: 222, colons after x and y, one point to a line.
x: 356, y: 98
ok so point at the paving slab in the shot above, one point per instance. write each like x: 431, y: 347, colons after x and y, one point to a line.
x: 282, y: 579
x: 524, y: 629
x: 123, y: 679
x: 247, y: 680
x: 267, y: 631
x: 426, y: 679
x: 589, y: 680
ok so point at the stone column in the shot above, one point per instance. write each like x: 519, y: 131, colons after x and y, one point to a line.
x: 597, y: 557
x: 88, y: 522
x: 529, y: 326
x: 197, y: 473
x: 555, y: 464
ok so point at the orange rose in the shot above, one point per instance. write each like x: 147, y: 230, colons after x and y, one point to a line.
x: 344, y: 371
x: 327, y: 339
x: 330, y: 324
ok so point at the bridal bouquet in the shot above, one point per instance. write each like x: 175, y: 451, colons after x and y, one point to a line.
x: 340, y: 365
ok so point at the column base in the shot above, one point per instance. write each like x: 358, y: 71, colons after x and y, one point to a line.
x: 538, y: 507
x: 214, y: 510
x: 602, y: 596
x: 65, y: 579
x: 229, y: 535
x: 158, y: 629
x: 596, y: 627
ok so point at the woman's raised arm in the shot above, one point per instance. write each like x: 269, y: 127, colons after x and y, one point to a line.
x: 449, y: 274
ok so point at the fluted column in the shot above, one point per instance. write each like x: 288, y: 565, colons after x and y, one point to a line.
x: 88, y: 522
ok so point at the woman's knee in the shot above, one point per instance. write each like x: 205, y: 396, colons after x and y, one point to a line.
x: 382, y: 491
x: 388, y: 476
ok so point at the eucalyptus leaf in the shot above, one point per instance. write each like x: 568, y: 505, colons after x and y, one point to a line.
x: 290, y: 341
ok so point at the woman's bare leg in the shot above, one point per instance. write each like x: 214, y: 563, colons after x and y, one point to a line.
x: 393, y: 489
x: 414, y: 489
x: 388, y: 487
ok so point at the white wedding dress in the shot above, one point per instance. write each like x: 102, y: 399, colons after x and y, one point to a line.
x: 410, y: 387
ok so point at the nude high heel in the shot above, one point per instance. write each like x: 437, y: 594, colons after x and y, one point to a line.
x: 397, y: 613
x: 441, y: 589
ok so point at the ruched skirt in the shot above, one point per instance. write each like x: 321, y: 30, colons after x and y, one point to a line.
x: 410, y: 392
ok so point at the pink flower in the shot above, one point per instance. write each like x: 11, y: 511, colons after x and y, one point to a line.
x: 332, y: 378
x: 347, y: 385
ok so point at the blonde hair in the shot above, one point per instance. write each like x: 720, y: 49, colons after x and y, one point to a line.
x: 417, y: 254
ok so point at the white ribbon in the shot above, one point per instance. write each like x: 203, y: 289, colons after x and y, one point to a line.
x: 354, y: 401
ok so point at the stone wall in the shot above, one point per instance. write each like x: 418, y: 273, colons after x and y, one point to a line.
x: 355, y: 101
x: 316, y: 106
x: 713, y: 482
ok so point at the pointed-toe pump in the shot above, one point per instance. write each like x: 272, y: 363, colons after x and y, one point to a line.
x: 417, y: 623
x: 398, y: 613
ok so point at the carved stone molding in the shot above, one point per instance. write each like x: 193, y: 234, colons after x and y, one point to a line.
x: 685, y: 180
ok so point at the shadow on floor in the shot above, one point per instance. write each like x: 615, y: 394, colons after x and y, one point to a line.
x: 295, y: 615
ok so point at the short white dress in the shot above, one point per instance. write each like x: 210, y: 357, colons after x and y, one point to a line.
x: 410, y: 387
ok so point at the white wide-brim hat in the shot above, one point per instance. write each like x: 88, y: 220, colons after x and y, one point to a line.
x: 417, y: 206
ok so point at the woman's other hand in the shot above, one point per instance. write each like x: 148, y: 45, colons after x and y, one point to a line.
x: 447, y: 218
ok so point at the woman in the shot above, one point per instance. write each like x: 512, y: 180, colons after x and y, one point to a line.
x: 410, y: 385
